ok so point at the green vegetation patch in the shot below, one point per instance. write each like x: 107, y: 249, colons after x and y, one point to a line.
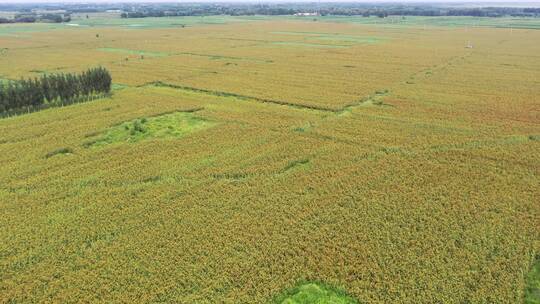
x: 421, y: 21
x: 134, y: 52
x: 534, y: 137
x: 171, y: 125
x: 305, y: 128
x: 21, y: 30
x: 4, y: 80
x: 295, y: 164
x: 315, y: 293
x: 532, y: 293
x: 375, y: 99
x: 160, y: 22
x: 118, y: 86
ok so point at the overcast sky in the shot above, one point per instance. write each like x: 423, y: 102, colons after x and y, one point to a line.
x: 506, y: 2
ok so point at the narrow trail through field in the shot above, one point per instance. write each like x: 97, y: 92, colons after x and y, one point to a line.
x: 428, y: 72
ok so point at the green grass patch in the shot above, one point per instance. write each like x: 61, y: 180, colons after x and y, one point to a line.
x: 371, y: 100
x: 315, y: 293
x: 171, y: 125
x: 118, y: 86
x: 162, y: 22
x: 534, y: 137
x: 134, y: 52
x: 532, y: 293
x: 304, y: 128
x: 446, y: 21
x: 4, y: 80
x: 21, y: 30
x: 295, y: 164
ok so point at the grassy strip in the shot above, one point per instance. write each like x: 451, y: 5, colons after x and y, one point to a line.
x: 532, y: 293
x: 295, y: 163
x: 376, y: 99
x: 315, y: 293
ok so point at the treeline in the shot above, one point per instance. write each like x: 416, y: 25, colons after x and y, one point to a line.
x: 28, y: 13
x: 244, y: 10
x: 32, y: 18
x: 53, y: 90
x: 337, y: 9
x: 427, y: 10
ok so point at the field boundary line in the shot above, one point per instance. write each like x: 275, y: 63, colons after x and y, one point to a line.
x: 243, y: 97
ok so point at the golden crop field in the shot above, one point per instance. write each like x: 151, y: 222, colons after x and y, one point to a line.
x: 236, y: 159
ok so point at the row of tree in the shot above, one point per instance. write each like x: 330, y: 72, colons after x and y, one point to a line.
x: 54, y: 89
x: 31, y: 18
x: 323, y: 8
x: 133, y: 9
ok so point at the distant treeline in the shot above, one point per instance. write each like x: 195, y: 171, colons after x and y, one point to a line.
x: 164, y: 9
x: 336, y: 9
x: 241, y: 10
x: 53, y: 90
x: 31, y: 18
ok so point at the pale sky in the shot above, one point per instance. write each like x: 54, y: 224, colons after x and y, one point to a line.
x: 508, y: 2
x: 519, y: 3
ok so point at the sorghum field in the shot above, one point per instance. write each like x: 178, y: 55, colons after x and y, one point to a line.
x: 238, y: 157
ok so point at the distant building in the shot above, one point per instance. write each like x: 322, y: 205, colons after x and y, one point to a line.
x: 306, y: 14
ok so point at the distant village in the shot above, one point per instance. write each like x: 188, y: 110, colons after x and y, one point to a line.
x: 307, y: 14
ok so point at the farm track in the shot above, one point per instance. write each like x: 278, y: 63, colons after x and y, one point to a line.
x: 428, y: 72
